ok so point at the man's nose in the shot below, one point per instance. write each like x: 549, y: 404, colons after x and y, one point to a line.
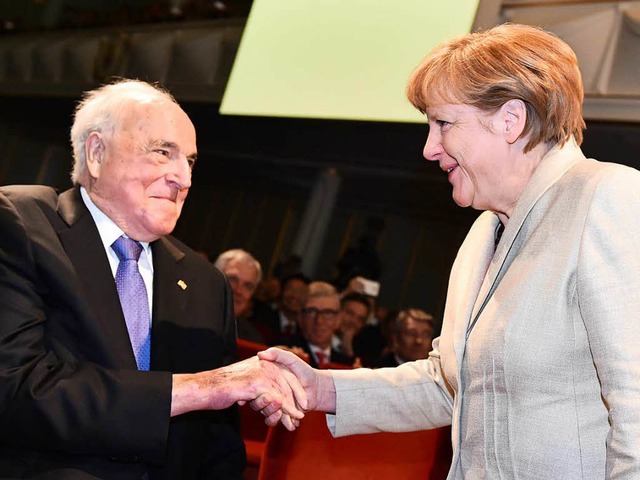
x: 181, y: 172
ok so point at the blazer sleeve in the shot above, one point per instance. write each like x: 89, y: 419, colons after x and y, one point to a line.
x: 50, y: 399
x: 412, y: 396
x: 608, y: 292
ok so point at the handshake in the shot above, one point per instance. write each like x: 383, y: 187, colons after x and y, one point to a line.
x: 275, y: 382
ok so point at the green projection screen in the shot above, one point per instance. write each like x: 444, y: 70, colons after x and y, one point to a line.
x: 338, y: 59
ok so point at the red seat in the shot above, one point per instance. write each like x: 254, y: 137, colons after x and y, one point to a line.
x: 248, y: 349
x: 252, y: 426
x: 312, y: 453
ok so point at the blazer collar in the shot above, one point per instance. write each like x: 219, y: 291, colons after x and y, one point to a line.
x: 170, y: 286
x: 479, y: 266
x: 71, y: 208
x: 173, y: 302
x: 81, y: 241
x: 467, y: 274
x: 551, y: 168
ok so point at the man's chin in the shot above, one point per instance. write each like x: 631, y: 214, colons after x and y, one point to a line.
x: 163, y: 227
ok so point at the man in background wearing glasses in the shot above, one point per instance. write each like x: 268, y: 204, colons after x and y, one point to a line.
x: 319, y: 320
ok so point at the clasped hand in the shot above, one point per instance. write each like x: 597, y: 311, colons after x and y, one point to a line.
x: 297, y: 384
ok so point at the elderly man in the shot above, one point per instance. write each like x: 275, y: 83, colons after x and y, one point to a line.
x: 116, y: 340
x: 244, y: 274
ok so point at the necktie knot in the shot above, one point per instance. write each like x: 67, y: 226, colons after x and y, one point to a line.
x: 127, y: 249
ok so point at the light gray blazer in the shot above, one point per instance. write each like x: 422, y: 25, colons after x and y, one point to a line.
x: 557, y: 390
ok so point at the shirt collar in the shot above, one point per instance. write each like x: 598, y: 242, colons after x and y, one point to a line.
x: 315, y: 348
x: 108, y: 230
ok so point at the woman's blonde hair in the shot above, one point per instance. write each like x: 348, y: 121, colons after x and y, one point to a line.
x: 510, y: 61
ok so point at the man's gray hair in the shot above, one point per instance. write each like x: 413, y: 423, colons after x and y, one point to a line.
x: 239, y: 255
x: 321, y: 289
x: 102, y: 110
x: 415, y: 314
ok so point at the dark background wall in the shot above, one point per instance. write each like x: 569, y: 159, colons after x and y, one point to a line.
x: 254, y: 177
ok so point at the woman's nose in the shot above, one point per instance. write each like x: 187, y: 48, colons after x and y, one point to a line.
x: 432, y: 147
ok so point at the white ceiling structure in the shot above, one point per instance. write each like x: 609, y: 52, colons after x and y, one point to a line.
x: 606, y: 38
x: 194, y: 60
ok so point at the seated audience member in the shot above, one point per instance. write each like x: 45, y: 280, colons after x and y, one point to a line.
x: 354, y: 312
x: 244, y: 274
x: 411, y: 338
x: 320, y: 318
x: 369, y: 343
x: 268, y: 292
x: 281, y: 325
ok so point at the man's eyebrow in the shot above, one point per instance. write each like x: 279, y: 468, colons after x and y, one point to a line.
x: 163, y: 143
x: 170, y: 145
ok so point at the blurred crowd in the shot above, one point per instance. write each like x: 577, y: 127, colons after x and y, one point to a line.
x: 327, y: 326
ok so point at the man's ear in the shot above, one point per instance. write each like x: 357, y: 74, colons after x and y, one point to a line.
x: 513, y: 114
x: 94, y: 150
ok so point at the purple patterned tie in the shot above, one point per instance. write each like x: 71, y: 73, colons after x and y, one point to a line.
x: 133, y: 299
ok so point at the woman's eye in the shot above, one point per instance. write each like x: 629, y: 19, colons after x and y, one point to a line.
x: 442, y: 123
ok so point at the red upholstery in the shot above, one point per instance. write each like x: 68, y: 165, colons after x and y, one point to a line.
x: 312, y: 453
x: 252, y: 426
x: 254, y: 432
x: 248, y: 349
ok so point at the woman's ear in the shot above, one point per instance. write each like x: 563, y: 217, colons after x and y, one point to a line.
x: 94, y: 150
x: 514, y: 117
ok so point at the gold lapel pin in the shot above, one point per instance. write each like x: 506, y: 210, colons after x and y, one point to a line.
x: 182, y: 285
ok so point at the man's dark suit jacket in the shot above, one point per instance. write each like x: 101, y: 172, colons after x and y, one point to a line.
x: 72, y: 403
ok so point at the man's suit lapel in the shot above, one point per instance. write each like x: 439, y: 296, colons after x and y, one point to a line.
x: 551, y: 168
x: 81, y: 241
x: 170, y: 301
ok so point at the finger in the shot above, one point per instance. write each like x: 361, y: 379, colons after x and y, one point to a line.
x: 273, y: 420
x: 285, y: 380
x: 270, y: 409
x: 299, y: 393
x: 279, y: 355
x: 263, y: 400
x: 292, y: 377
x: 272, y: 354
x: 288, y: 422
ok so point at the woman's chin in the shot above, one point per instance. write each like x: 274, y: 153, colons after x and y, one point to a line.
x: 461, y: 201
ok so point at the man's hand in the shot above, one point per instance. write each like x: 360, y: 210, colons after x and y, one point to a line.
x: 270, y: 386
x: 317, y: 384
